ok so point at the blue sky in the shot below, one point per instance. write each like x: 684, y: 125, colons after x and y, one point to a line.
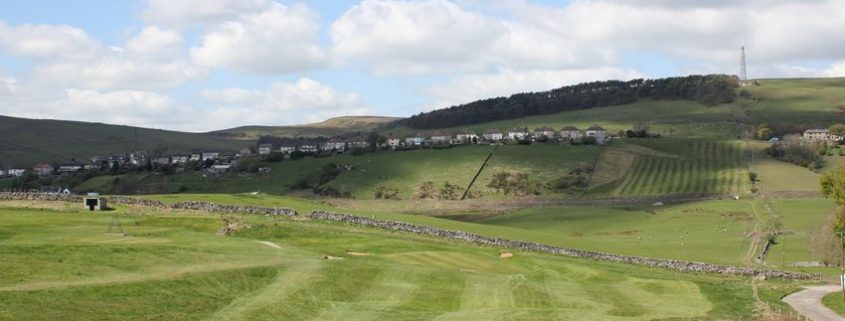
x: 201, y: 65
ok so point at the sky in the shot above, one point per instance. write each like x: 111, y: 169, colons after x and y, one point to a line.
x: 201, y: 65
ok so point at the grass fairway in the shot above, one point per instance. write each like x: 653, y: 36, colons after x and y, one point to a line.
x: 171, y: 266
x: 835, y: 302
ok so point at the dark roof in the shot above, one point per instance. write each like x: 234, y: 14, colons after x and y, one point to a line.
x: 467, y: 131
x: 544, y: 129
x: 569, y: 128
x: 492, y: 131
x: 438, y: 133
x: 519, y: 130
x: 596, y: 127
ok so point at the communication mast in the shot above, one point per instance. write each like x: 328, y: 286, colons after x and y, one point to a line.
x: 743, y: 72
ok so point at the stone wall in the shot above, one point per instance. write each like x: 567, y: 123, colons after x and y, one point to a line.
x: 21, y: 196
x: 677, y: 265
x: 212, y: 207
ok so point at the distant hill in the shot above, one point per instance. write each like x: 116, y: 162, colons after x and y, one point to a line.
x: 708, y: 90
x: 332, y: 127
x: 28, y: 141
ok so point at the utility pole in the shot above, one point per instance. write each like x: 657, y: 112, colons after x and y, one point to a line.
x: 842, y: 264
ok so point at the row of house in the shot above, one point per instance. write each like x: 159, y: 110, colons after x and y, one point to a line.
x: 568, y: 133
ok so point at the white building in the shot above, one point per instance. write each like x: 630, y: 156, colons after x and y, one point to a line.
x: 265, y: 149
x: 416, y: 140
x: 334, y: 144
x: 597, y: 132
x: 181, y: 159
x: 16, y: 172
x: 493, y: 134
x: 393, y: 142
x: 544, y: 131
x: 466, y: 135
x: 308, y: 148
x: 571, y: 133
x: 519, y: 133
x: 287, y: 149
x: 440, y: 138
x: 210, y: 155
x: 819, y: 135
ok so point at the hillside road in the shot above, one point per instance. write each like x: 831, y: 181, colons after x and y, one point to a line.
x: 808, y: 302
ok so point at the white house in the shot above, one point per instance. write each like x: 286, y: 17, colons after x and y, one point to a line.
x: 217, y: 169
x: 466, y: 135
x: 180, y: 159
x: 43, y: 169
x: 210, y: 155
x: 571, y: 133
x: 196, y: 157
x: 69, y: 168
x: 597, y: 132
x: 334, y: 144
x: 265, y: 149
x: 416, y: 140
x: 544, y: 131
x: 287, y: 149
x: 440, y: 138
x: 3, y: 173
x: 358, y: 143
x: 308, y: 148
x: 393, y: 142
x: 493, y: 134
x: 518, y: 133
x: 16, y: 172
x: 819, y: 135
x: 161, y: 160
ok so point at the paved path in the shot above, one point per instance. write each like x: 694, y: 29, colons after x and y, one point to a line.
x: 809, y: 303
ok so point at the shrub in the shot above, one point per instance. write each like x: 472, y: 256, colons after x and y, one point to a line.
x: 516, y: 184
x: 426, y: 190
x: 386, y: 193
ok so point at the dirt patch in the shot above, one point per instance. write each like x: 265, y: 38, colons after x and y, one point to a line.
x: 357, y: 254
x: 697, y: 211
x: 737, y: 216
x: 505, y: 255
x: 331, y: 258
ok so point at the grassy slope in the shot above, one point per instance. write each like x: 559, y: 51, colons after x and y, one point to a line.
x: 331, y: 127
x: 807, y: 101
x: 713, y: 231
x: 29, y: 141
x: 400, y: 170
x: 175, y: 268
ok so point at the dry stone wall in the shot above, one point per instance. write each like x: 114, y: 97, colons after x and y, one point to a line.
x: 22, y: 196
x: 212, y: 207
x: 677, y: 265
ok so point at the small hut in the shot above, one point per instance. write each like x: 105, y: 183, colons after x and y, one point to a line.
x: 93, y: 202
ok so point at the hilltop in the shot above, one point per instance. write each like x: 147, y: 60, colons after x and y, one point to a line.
x: 328, y: 128
x: 28, y: 141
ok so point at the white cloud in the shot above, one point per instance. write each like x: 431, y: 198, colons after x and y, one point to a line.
x: 280, y: 39
x: 468, y: 88
x: 187, y: 13
x: 8, y: 86
x: 154, y: 43
x: 282, y: 104
x: 48, y: 41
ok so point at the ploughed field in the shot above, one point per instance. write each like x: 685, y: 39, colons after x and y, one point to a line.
x: 58, y: 263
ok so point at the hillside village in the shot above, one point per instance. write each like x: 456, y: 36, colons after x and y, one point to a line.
x: 214, y: 162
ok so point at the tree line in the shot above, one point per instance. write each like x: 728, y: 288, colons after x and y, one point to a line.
x: 709, y: 90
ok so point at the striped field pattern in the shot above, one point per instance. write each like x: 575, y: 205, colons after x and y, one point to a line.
x: 717, y: 167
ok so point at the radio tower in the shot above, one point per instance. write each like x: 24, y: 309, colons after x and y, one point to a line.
x: 743, y: 72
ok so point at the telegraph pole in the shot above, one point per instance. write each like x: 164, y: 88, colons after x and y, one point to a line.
x: 842, y: 264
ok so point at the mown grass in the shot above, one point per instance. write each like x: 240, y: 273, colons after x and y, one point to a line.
x: 674, y: 166
x: 835, y: 302
x: 402, y: 276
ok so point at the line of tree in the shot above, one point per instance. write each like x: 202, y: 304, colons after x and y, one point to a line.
x: 710, y: 90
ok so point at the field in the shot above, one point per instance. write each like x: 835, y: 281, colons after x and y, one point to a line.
x: 675, y: 166
x: 59, y: 264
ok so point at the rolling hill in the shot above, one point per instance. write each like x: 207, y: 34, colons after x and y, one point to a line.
x: 28, y: 141
x: 332, y: 127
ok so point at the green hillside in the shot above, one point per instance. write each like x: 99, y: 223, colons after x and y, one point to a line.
x: 347, y: 125
x: 174, y: 267
x: 28, y: 141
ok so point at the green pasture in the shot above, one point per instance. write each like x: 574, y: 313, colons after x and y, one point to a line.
x: 172, y: 266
